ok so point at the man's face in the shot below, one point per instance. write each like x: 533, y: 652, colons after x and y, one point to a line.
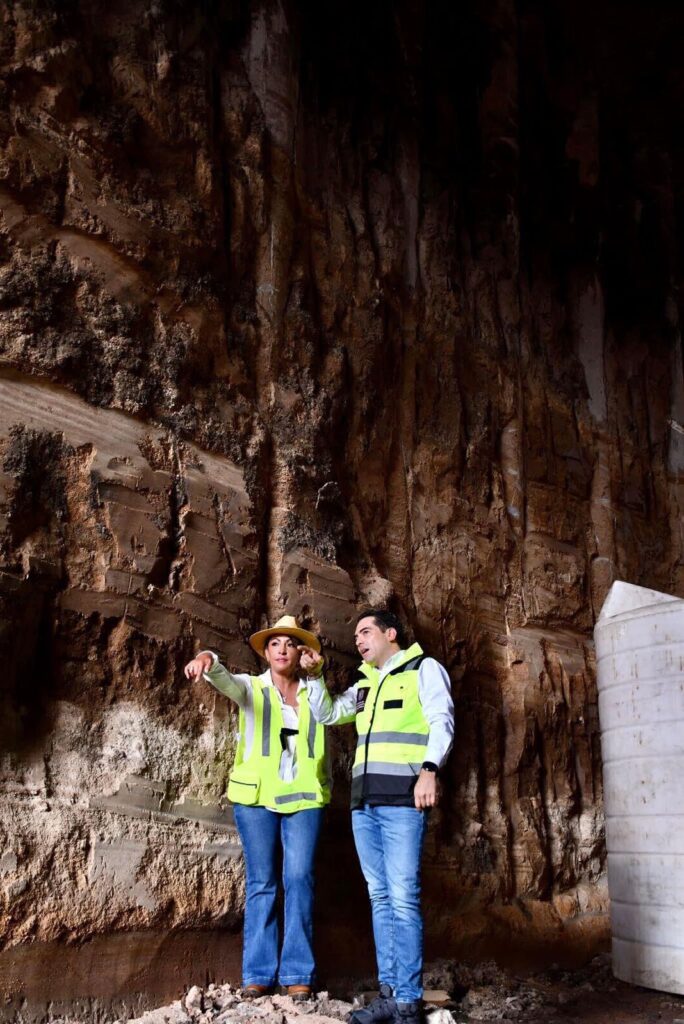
x: 374, y: 646
x: 282, y: 655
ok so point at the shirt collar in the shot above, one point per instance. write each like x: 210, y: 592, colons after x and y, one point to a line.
x: 387, y: 667
x: 266, y: 678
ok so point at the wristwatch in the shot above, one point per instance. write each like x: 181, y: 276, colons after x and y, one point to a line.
x: 429, y: 766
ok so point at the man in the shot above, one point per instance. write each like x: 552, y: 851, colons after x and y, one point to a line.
x: 404, y: 715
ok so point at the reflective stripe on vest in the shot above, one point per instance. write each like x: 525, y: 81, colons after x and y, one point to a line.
x: 387, y: 768
x: 394, y: 737
x: 392, y: 734
x: 289, y: 798
x: 266, y: 728
x: 258, y: 774
x: 311, y: 736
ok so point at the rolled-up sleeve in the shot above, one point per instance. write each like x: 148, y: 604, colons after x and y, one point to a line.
x: 434, y: 691
x: 329, y: 710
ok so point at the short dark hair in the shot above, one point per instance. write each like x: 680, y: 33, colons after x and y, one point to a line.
x: 385, y: 620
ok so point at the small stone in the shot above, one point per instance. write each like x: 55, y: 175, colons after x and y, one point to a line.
x: 174, y: 1013
x: 364, y: 998
x: 194, y: 1000
x: 439, y: 1016
x: 222, y: 998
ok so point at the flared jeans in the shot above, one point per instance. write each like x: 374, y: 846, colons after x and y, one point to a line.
x: 272, y: 843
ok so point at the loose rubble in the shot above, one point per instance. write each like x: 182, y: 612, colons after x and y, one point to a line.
x: 220, y: 1004
x: 461, y: 994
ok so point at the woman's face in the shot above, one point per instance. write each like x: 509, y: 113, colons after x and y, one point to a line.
x: 282, y: 655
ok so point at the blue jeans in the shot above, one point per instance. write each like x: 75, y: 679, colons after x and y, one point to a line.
x: 264, y: 833
x: 389, y: 842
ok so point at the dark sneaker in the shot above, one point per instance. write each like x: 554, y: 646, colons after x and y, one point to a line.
x: 382, y: 1008
x: 409, y: 1013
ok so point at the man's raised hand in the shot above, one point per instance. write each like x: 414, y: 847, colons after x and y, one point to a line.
x: 311, y: 662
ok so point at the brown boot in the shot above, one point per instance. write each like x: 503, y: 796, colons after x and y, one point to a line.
x: 255, y: 991
x: 299, y: 993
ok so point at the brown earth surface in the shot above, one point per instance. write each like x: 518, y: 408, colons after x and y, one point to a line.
x: 590, y: 995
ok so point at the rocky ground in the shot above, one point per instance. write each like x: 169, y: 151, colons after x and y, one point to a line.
x: 461, y: 994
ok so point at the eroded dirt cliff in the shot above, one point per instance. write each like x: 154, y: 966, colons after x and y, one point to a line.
x: 305, y: 307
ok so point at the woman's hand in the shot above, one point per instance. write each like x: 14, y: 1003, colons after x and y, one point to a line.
x: 198, y: 666
x: 311, y: 662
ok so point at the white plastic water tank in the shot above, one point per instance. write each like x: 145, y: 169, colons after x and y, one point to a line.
x: 640, y: 665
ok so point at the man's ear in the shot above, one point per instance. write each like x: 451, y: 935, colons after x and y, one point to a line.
x: 391, y: 634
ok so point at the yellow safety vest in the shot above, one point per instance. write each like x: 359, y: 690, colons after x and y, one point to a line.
x: 255, y: 780
x: 392, y: 733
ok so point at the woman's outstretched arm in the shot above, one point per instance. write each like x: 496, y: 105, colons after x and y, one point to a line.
x: 207, y: 665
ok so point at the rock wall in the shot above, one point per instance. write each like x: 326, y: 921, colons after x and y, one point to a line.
x: 305, y: 307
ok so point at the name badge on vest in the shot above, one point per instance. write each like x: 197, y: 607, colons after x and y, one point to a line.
x: 361, y: 696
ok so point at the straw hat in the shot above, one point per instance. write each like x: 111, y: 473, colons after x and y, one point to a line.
x: 286, y: 626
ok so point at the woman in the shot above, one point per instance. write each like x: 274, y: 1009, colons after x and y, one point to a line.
x: 279, y: 785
